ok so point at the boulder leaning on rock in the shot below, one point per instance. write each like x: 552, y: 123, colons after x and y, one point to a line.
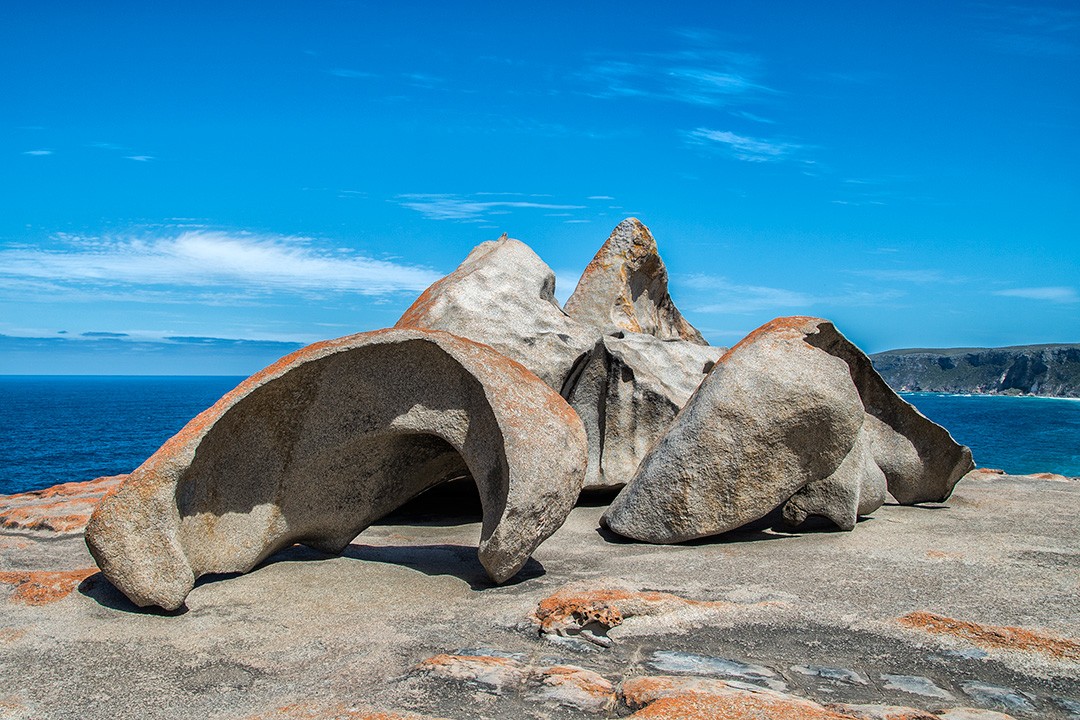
x: 316, y: 447
x: 794, y: 407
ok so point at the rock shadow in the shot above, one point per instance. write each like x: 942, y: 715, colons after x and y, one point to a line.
x: 98, y: 588
x: 459, y: 561
x: 449, y: 504
x: 770, y: 527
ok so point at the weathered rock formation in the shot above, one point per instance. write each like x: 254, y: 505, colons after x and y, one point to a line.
x: 316, y: 447
x: 625, y: 287
x: 503, y: 295
x: 793, y: 408
x: 627, y: 395
x: 486, y: 376
x: 622, y: 353
x: 1052, y: 370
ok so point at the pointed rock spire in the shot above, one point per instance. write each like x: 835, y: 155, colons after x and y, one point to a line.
x: 626, y: 287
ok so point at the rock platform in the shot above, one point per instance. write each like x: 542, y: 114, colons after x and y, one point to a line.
x: 965, y: 609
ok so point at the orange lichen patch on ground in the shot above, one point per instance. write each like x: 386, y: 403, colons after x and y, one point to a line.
x: 608, y: 606
x: 10, y: 635
x: 60, y: 508
x: 485, y: 669
x: 41, y: 587
x: 691, y: 698
x: 339, y: 711
x: 942, y: 555
x: 994, y: 637
x: 1049, y: 476
x: 578, y: 687
x: 793, y: 326
x: 881, y: 712
x: 12, y: 703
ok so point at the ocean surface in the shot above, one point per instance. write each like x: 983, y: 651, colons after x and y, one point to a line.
x: 63, y: 429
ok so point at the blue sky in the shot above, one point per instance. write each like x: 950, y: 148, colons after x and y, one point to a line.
x: 198, y: 188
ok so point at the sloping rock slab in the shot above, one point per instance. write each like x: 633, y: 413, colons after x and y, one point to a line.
x: 503, y: 295
x: 794, y: 405
x: 316, y: 447
x: 625, y: 287
x: 627, y: 394
x: 62, y: 508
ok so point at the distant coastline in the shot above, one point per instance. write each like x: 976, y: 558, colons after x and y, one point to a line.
x: 1049, y: 371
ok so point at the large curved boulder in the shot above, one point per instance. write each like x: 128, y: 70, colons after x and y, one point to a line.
x: 316, y: 447
x: 503, y: 295
x: 628, y: 393
x: 793, y: 415
x: 625, y: 287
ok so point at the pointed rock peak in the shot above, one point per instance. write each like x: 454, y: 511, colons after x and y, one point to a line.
x: 626, y: 287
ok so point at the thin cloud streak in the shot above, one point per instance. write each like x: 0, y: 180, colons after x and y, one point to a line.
x: 742, y: 147
x: 1057, y: 294
x: 257, y: 263
x: 38, y: 153
x: 736, y: 299
x: 461, y: 209
x: 692, y: 76
x: 909, y: 276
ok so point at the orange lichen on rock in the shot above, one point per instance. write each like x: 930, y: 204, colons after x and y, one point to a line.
x: 994, y: 637
x: 607, y: 606
x: 41, y: 587
x: 576, y: 687
x: 788, y: 326
x: 338, y: 711
x: 61, y: 508
x: 496, y: 672
x: 690, y: 698
x: 882, y: 712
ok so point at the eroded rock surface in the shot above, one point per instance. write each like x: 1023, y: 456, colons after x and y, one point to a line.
x: 794, y: 407
x: 503, y: 295
x: 625, y: 287
x: 628, y: 393
x: 315, y: 448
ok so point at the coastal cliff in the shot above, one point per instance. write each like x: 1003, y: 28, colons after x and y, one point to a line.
x: 1049, y: 370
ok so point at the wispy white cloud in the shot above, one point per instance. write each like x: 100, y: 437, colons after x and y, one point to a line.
x: 743, y: 147
x: 726, y: 297
x: 139, y: 158
x: 599, y: 197
x: 1054, y: 294
x: 468, y: 209
x: 909, y: 276
x: 245, y: 262
x: 1032, y: 30
x: 694, y: 75
x: 752, y: 117
x: 38, y: 152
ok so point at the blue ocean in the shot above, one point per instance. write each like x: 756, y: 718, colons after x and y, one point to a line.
x: 62, y: 429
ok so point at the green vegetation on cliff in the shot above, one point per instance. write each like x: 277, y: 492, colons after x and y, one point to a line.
x: 1051, y: 370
